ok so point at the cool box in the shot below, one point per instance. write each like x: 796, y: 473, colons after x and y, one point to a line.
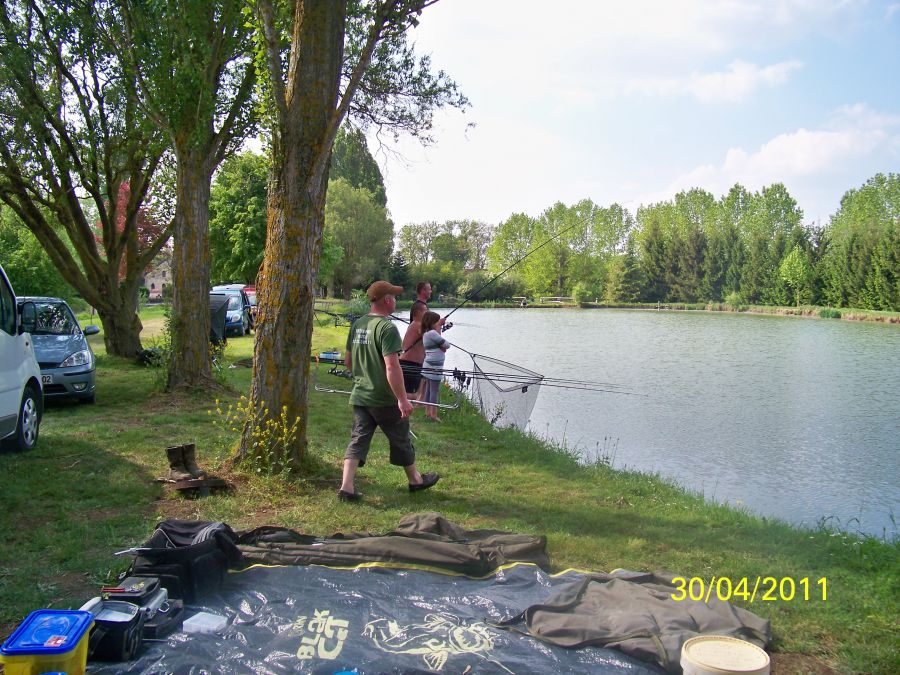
x: 47, y: 640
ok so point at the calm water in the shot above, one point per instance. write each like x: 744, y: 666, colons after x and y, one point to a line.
x: 798, y: 419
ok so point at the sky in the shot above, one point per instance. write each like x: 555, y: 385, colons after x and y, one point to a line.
x: 633, y: 102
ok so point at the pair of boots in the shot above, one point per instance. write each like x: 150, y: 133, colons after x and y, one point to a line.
x: 183, y: 462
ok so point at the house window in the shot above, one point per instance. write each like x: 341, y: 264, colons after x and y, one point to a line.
x: 163, y: 274
x: 152, y: 287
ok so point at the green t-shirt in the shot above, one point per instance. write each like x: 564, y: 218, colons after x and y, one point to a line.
x: 371, y: 338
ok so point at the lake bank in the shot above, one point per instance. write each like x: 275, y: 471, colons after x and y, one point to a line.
x: 61, y: 529
x: 805, y: 311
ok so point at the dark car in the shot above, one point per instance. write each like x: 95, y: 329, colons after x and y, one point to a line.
x: 240, y: 315
x: 62, y: 350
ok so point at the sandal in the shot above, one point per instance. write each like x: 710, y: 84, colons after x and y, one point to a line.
x: 428, y: 480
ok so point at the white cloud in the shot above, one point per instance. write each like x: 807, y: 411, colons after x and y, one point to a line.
x: 891, y: 10
x: 804, y: 160
x: 733, y: 85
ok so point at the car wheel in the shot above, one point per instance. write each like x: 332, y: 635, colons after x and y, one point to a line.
x: 29, y: 420
x: 241, y: 330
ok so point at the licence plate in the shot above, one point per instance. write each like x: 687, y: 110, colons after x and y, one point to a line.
x: 46, y: 379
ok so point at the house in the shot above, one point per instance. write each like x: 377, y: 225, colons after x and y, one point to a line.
x: 158, y: 274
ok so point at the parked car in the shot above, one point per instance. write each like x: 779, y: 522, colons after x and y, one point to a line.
x: 240, y: 317
x: 251, y: 295
x: 21, y: 395
x: 63, y: 353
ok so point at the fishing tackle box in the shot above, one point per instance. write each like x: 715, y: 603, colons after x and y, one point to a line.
x: 168, y: 618
x: 48, y: 640
x: 141, y: 591
x: 118, y: 629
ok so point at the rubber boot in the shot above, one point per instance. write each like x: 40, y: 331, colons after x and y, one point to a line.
x: 190, y: 461
x: 177, y: 469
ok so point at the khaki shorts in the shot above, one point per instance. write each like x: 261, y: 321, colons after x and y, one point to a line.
x: 396, y: 428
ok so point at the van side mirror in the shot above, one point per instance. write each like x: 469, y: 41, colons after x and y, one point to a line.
x: 91, y: 330
x: 28, y: 314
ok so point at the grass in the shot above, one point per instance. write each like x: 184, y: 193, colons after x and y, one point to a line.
x: 88, y: 491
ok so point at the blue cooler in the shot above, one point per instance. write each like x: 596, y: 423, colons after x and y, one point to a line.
x: 48, y: 640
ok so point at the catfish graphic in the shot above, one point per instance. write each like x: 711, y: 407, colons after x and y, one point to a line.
x: 436, y: 639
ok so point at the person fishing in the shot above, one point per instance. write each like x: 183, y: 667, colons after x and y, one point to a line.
x: 379, y: 397
x: 423, y: 295
x: 413, y: 353
x: 435, y: 346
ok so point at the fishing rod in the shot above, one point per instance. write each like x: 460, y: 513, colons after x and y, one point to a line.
x: 474, y: 294
x: 464, y: 376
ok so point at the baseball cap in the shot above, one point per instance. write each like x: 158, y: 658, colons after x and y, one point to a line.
x: 382, y: 288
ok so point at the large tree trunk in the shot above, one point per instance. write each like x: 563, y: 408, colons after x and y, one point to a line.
x: 301, y: 151
x: 190, y: 364
x: 121, y: 328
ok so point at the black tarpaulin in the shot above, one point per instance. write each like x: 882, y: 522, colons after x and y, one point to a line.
x: 372, y: 619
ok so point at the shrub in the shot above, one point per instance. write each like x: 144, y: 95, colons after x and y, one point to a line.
x: 734, y: 301
x: 829, y: 313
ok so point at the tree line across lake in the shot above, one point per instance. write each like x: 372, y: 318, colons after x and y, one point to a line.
x: 743, y: 248
x: 746, y: 247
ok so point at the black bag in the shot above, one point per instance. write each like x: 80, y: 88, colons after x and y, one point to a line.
x: 190, y: 557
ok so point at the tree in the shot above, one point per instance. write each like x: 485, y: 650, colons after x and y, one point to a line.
x: 237, y: 218
x: 307, y: 99
x: 352, y: 161
x: 415, y: 242
x: 653, y: 246
x: 512, y: 241
x: 26, y: 263
x: 70, y: 137
x: 867, y: 217
x: 364, y: 233
x: 624, y: 282
x: 475, y: 237
x: 195, y: 77
x: 797, y: 273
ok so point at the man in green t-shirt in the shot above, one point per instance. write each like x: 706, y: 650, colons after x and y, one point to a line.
x: 379, y: 398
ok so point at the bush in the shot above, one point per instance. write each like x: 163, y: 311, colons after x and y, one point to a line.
x: 581, y: 293
x: 734, y: 301
x: 828, y: 313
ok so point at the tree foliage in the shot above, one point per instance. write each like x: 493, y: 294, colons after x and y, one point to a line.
x: 364, y: 233
x: 861, y: 263
x: 352, y: 161
x: 237, y: 218
x: 71, y: 135
x: 27, y: 264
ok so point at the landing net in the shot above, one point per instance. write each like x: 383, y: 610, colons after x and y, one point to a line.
x: 503, y: 392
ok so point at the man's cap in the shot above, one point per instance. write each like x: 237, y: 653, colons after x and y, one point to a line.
x: 382, y: 288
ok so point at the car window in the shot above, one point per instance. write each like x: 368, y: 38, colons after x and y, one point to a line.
x: 234, y: 302
x: 7, y: 309
x: 54, y: 318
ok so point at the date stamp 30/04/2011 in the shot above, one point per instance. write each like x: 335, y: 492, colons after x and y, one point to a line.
x: 748, y: 589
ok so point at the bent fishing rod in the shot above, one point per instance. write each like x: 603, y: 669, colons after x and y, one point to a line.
x: 474, y: 294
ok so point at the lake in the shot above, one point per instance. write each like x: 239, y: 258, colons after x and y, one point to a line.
x: 793, y: 418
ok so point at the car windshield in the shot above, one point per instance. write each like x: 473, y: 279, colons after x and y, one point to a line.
x: 234, y: 302
x: 54, y: 318
x: 251, y: 295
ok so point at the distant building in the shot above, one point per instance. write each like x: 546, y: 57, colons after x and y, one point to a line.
x: 158, y: 274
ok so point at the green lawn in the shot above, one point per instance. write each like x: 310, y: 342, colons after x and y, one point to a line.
x: 88, y: 490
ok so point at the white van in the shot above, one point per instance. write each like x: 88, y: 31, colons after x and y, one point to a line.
x: 21, y: 396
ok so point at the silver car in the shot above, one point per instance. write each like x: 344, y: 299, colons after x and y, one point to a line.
x: 62, y: 350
